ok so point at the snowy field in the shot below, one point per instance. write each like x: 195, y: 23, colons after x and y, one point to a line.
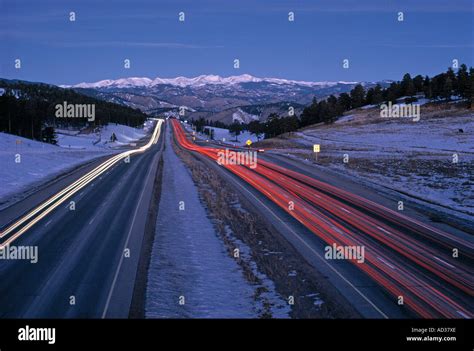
x: 418, y: 158
x: 40, y: 162
x: 126, y: 136
x: 432, y: 137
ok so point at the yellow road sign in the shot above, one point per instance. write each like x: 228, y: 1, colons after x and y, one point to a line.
x: 249, y: 142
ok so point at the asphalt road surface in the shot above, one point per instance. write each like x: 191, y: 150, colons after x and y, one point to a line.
x: 406, y: 260
x: 87, y: 257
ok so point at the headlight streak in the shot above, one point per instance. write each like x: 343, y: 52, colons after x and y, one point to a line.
x: 49, y: 205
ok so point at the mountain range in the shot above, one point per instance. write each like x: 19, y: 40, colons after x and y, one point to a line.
x: 240, y: 98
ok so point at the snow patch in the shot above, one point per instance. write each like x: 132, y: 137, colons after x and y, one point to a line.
x: 243, y: 117
x: 38, y: 163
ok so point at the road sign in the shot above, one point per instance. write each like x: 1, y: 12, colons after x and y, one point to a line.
x: 316, y: 148
x: 248, y: 142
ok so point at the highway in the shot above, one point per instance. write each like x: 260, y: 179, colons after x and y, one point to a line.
x: 405, y: 257
x: 87, y: 257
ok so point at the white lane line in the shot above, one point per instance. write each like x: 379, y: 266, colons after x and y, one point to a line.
x: 81, y: 193
x: 316, y: 253
x: 109, y: 297
x: 92, y: 220
x: 48, y: 223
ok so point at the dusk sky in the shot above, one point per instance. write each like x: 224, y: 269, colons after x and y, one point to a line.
x: 215, y: 32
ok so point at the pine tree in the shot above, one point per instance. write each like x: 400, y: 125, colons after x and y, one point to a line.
x: 344, y: 100
x: 292, y: 123
x: 407, y: 86
x: 470, y: 91
x: 427, y: 88
x: 235, y: 129
x: 448, y: 88
x: 256, y: 128
x: 377, y: 98
x: 49, y: 135
x: 463, y: 82
x: 418, y: 83
x: 369, y: 98
x: 392, y: 93
x: 357, y: 96
x: 452, y: 77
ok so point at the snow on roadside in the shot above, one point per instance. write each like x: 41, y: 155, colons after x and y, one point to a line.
x: 126, y: 136
x: 40, y: 162
x: 414, y: 157
x: 190, y: 261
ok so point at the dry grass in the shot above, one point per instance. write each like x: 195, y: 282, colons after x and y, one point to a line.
x: 273, y: 255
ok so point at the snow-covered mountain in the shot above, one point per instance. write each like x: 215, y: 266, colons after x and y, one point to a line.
x: 214, y: 97
x: 196, y: 82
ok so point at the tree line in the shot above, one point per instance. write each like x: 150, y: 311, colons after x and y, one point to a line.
x: 28, y: 110
x: 442, y: 87
x: 200, y: 123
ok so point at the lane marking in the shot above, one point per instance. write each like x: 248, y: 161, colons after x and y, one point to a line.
x: 112, y: 287
x: 315, y: 252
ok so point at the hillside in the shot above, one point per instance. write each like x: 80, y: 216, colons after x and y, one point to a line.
x: 27, y: 109
x: 213, y: 97
x: 415, y: 158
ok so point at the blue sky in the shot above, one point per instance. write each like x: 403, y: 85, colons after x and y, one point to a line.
x: 257, y: 32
